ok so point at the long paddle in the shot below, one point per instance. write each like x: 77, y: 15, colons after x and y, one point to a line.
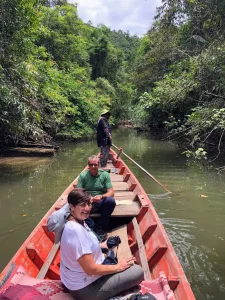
x: 150, y: 175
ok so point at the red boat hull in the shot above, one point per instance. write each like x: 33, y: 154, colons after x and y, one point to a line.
x: 158, y: 249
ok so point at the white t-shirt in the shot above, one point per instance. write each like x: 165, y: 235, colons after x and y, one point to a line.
x: 77, y: 240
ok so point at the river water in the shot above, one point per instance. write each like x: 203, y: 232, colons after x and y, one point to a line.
x: 193, y: 215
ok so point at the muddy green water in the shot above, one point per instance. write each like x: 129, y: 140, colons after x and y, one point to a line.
x: 193, y: 215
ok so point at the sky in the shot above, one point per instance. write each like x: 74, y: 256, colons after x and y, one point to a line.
x: 135, y: 16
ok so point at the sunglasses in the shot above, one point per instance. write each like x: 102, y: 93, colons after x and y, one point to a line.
x: 93, y: 165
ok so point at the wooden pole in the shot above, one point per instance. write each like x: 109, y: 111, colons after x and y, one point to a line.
x: 120, y: 151
x: 146, y: 172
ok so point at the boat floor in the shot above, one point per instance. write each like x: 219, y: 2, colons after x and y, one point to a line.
x: 123, y: 250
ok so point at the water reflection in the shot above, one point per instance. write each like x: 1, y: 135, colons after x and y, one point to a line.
x: 194, y: 223
x: 160, y: 196
x: 200, y: 262
x: 193, y: 215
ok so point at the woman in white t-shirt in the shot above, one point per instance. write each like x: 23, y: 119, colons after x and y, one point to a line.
x: 81, y: 268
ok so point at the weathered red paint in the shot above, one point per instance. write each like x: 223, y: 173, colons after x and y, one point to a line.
x: 159, y: 250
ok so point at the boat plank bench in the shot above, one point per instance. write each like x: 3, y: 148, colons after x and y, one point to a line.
x: 124, y: 194
x: 124, y: 208
x: 125, y: 197
x: 120, y: 186
x: 116, y: 177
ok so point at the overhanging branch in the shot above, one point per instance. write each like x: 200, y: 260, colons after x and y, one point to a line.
x: 214, y: 95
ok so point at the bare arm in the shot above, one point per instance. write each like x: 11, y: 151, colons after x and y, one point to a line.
x: 109, y: 193
x: 91, y: 268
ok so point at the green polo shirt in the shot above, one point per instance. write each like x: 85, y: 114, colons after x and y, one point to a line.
x: 95, y: 185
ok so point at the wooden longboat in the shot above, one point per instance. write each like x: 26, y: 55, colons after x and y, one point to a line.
x: 134, y: 219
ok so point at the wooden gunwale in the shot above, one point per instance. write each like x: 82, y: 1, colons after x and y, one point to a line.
x: 156, y: 247
x: 159, y: 250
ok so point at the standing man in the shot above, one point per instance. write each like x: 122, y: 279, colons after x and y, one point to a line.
x: 98, y: 184
x: 104, y: 136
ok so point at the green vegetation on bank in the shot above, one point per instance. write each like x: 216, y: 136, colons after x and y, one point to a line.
x: 181, y: 74
x: 57, y: 73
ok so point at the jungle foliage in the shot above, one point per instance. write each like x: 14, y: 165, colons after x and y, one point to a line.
x: 57, y: 73
x: 180, y: 74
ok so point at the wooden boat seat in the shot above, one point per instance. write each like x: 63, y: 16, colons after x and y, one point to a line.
x: 105, y: 169
x: 124, y: 194
x: 110, y: 169
x: 124, y: 248
x: 120, y: 186
x: 124, y: 208
x: 116, y: 177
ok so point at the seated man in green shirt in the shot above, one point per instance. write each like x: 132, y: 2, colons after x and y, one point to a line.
x: 98, y: 184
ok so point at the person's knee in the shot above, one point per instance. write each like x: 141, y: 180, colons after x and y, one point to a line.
x: 137, y: 273
x: 110, y: 202
x: 131, y: 277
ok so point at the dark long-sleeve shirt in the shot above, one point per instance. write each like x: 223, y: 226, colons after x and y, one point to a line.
x: 103, y: 132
